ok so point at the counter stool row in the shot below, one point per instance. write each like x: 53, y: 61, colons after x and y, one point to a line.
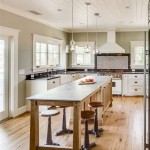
x: 85, y: 115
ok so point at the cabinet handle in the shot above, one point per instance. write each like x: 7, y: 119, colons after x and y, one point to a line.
x: 135, y: 82
x: 53, y: 81
x: 135, y: 89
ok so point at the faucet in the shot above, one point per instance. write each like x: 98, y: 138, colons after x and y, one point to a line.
x: 52, y: 71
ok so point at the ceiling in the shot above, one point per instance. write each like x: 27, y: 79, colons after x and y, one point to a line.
x: 119, y: 15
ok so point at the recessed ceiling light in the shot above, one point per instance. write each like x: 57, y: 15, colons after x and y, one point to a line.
x: 34, y: 12
x: 120, y: 22
x: 59, y: 9
x: 97, y: 14
x: 131, y: 22
x: 127, y: 7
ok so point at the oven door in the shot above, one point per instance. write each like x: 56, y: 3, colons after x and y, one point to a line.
x: 116, y: 86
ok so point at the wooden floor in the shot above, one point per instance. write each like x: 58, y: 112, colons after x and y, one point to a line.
x: 123, y: 128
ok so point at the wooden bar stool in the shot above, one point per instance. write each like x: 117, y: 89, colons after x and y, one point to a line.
x: 64, y: 129
x: 96, y: 131
x: 86, y: 115
x: 49, y: 114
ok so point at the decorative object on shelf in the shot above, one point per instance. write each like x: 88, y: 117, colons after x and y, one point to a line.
x: 72, y: 42
x: 87, y: 49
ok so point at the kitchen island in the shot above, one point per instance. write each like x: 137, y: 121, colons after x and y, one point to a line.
x: 73, y: 95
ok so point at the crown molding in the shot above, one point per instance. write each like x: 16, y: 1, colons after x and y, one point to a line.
x: 29, y: 16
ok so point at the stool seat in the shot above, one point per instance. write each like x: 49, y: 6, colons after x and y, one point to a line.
x: 95, y: 104
x: 52, y: 107
x: 49, y: 113
x: 87, y: 114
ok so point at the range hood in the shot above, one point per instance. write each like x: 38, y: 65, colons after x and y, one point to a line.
x: 111, y: 46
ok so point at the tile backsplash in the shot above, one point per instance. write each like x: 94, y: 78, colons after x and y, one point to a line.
x: 112, y: 62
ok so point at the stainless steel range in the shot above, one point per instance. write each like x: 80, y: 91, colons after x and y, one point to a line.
x: 116, y: 81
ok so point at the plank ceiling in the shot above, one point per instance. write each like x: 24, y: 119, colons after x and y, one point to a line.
x: 119, y: 15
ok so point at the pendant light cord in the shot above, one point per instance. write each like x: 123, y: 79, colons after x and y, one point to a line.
x: 72, y: 20
x: 87, y: 26
x: 96, y: 33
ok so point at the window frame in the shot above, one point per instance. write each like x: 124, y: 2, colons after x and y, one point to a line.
x: 133, y: 45
x: 46, y: 40
x: 74, y: 56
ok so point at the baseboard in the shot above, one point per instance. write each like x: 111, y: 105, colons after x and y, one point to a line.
x: 21, y: 110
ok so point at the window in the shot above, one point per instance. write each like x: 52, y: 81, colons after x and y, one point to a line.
x: 46, y: 52
x: 82, y: 59
x: 137, y: 54
x: 41, y: 54
x: 53, y: 54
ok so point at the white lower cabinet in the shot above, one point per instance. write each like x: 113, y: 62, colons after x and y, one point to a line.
x: 36, y: 86
x: 133, y: 84
x: 82, y: 75
x: 65, y: 78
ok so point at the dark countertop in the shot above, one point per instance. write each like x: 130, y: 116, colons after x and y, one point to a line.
x: 133, y: 73
x: 44, y: 76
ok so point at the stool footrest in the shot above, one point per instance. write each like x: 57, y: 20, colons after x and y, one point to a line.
x: 96, y: 133
x: 90, y: 146
x: 56, y: 144
x: 64, y: 132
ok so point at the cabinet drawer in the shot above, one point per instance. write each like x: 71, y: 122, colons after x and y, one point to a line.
x: 53, y: 83
x: 136, y: 76
x: 135, y: 90
x: 136, y: 82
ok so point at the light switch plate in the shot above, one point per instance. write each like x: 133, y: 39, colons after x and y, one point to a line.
x: 21, y: 71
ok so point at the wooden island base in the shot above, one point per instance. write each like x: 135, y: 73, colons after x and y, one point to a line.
x: 73, y: 95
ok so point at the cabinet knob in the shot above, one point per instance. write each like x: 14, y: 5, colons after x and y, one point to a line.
x: 84, y: 75
x: 53, y: 81
x: 135, y: 82
x: 135, y: 76
x: 135, y: 89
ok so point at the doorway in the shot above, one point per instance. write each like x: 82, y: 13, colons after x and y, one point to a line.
x: 4, y: 78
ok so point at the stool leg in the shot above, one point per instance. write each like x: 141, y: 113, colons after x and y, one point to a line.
x: 49, y: 133
x: 64, y: 128
x: 96, y: 131
x: 87, y: 145
x: 49, y: 140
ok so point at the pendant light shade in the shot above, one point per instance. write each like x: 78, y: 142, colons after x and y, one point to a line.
x: 72, y: 42
x: 87, y: 49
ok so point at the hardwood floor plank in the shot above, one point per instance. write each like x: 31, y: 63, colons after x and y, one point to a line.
x: 123, y: 128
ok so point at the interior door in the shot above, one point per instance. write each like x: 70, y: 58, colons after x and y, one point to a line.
x: 3, y: 77
x: 147, y: 93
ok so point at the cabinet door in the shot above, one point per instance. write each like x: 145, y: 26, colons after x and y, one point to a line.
x: 53, y: 83
x: 65, y: 78
x: 74, y: 77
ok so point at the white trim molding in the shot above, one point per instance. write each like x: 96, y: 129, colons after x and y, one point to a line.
x: 13, y: 87
x: 21, y: 110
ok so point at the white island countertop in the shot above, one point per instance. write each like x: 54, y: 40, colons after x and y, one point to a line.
x: 72, y: 91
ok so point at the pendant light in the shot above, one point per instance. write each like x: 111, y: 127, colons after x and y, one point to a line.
x: 96, y: 49
x: 87, y: 49
x: 72, y: 42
